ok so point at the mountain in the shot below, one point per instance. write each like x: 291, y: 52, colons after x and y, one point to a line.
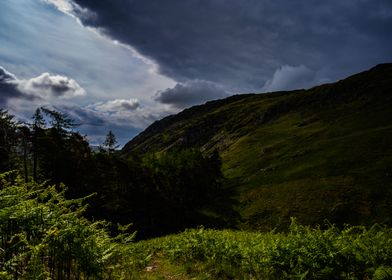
x: 319, y: 154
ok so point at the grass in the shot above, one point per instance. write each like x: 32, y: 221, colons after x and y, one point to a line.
x: 301, y: 253
x: 283, y: 170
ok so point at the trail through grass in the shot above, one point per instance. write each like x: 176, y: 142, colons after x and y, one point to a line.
x: 301, y: 253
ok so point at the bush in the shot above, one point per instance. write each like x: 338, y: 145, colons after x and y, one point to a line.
x: 43, y: 235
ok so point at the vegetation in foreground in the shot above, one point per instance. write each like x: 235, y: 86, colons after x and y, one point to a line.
x: 301, y: 253
x: 44, y: 236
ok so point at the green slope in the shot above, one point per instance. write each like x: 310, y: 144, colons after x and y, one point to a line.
x: 322, y: 153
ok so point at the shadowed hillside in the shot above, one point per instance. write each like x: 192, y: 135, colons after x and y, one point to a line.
x: 322, y: 153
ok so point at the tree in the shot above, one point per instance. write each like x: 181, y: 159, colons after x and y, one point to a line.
x: 110, y: 143
x: 183, y: 184
x: 60, y: 155
x: 24, y: 135
x: 38, y: 127
x: 60, y: 122
x: 8, y: 141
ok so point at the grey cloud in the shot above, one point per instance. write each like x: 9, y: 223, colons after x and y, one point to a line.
x: 9, y: 87
x: 129, y: 112
x: 8, y: 91
x: 44, y: 87
x: 5, y: 76
x: 290, y: 77
x: 190, y: 93
x: 241, y: 44
x: 96, y: 120
x: 96, y: 124
x: 82, y: 115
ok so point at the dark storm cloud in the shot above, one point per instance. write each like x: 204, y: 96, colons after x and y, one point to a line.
x: 7, y: 91
x: 190, y: 93
x: 241, y: 44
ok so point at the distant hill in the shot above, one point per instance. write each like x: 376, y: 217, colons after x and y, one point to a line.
x: 322, y: 153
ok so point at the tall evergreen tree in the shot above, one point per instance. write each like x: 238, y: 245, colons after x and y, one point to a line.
x: 38, y: 127
x: 110, y: 143
x: 8, y: 141
x: 59, y: 121
x: 25, y: 143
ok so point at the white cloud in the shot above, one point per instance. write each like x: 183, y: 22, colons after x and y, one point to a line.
x: 62, y: 5
x: 44, y: 87
x: 117, y: 105
x: 51, y: 86
x: 72, y: 9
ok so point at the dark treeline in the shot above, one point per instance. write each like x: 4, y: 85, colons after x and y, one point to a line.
x: 157, y: 193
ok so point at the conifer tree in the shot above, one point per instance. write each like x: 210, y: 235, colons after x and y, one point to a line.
x: 38, y: 127
x: 110, y: 142
x: 7, y: 140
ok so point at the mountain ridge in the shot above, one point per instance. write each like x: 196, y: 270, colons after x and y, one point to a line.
x: 162, y: 124
x: 321, y: 153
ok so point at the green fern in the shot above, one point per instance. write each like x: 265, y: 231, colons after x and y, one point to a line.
x: 383, y: 273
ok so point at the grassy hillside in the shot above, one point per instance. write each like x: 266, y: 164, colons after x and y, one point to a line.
x: 322, y: 153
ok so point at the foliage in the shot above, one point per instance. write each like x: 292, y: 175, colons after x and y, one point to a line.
x: 185, y: 181
x: 44, y: 236
x: 147, y: 191
x: 301, y: 253
x: 150, y: 191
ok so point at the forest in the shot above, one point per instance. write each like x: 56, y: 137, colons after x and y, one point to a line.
x: 145, y: 190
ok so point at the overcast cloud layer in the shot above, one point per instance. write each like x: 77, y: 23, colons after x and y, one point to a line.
x: 245, y: 45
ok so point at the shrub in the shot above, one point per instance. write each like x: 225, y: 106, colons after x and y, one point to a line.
x: 43, y: 235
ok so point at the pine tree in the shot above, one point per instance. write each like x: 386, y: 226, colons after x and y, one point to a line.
x: 8, y: 141
x: 110, y: 143
x: 38, y: 127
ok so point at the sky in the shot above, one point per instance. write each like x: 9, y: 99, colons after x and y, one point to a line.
x: 122, y: 64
